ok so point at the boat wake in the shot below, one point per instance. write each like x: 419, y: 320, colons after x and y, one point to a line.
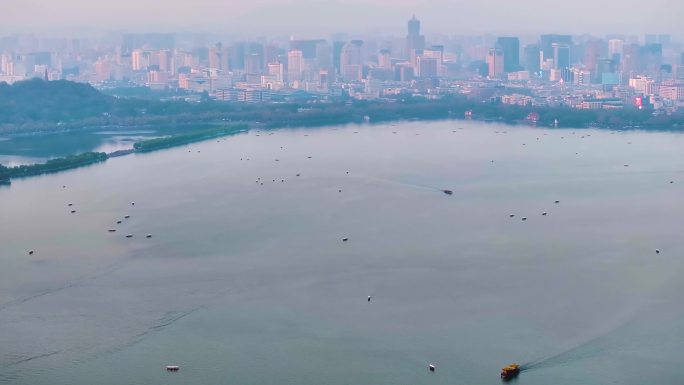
x: 403, y: 184
x: 19, y: 301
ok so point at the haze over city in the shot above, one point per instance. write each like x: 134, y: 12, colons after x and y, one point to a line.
x: 317, y: 17
x: 302, y: 192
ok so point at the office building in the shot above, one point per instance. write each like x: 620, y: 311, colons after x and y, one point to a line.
x: 495, y: 63
x: 510, y: 46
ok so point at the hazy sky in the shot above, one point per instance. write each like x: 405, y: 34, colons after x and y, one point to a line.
x: 321, y: 17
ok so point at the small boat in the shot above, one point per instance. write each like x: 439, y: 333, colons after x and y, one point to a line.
x: 544, y: 213
x: 345, y: 239
x: 524, y: 218
x: 31, y: 253
x: 510, y: 372
x: 557, y: 202
x: 657, y: 251
x: 172, y: 368
x: 127, y: 216
x: 369, y: 298
x: 431, y: 368
x: 448, y: 192
x: 73, y: 211
x: 511, y: 215
x: 148, y: 236
x: 118, y: 222
x: 129, y: 235
x: 132, y: 203
x: 70, y: 204
x: 112, y: 230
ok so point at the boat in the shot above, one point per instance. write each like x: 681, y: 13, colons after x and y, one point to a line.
x: 431, y: 367
x: 172, y: 368
x: 447, y: 192
x: 510, y: 372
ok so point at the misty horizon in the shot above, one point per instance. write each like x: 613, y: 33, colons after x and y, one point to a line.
x: 310, y: 18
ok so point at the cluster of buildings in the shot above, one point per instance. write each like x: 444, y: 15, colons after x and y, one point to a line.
x: 616, y: 71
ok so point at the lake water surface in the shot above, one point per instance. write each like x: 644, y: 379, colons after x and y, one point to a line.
x: 250, y: 284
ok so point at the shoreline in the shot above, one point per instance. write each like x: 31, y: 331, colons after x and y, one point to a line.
x: 193, y: 136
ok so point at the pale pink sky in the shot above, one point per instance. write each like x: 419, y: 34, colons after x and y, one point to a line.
x: 311, y: 17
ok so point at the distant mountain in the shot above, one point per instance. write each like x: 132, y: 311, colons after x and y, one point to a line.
x: 37, y: 100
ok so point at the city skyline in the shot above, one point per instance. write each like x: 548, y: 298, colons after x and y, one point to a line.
x: 308, y: 18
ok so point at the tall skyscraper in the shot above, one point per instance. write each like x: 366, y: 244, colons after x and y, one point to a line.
x: 337, y: 50
x: 218, y: 57
x: 561, y: 56
x: 295, y: 65
x: 511, y: 51
x: 350, y: 61
x: 414, y: 26
x: 414, y: 40
x: 495, y: 62
x: 532, y: 58
x: 546, y: 43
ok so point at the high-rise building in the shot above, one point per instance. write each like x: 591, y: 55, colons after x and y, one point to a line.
x: 511, y: 51
x: 615, y: 47
x: 561, y: 56
x: 337, y: 50
x: 495, y: 62
x: 532, y: 58
x: 650, y: 59
x: 276, y: 70
x: 350, y: 61
x: 236, y: 56
x: 103, y: 71
x: 415, y: 42
x: 253, y: 63
x: 592, y: 54
x: 308, y: 47
x: 427, y: 67
x: 546, y: 45
x: 218, y: 57
x: 295, y: 66
x: 254, y: 56
x: 323, y: 55
x: 385, y: 59
x: 139, y: 60
x: 435, y: 52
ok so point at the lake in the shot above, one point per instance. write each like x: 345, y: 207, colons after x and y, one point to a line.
x: 246, y: 280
